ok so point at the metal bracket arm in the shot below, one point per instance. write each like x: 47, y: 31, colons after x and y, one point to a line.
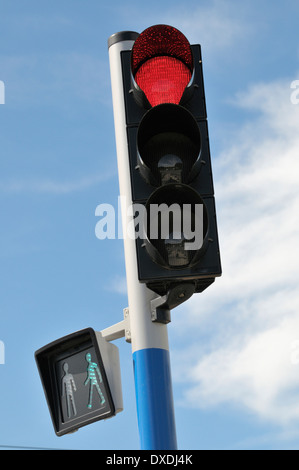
x: 177, y: 294
x: 119, y: 330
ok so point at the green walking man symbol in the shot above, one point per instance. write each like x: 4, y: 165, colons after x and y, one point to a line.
x: 92, y: 372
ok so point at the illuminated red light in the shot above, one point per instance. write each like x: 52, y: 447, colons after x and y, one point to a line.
x: 162, y: 64
x: 163, y: 79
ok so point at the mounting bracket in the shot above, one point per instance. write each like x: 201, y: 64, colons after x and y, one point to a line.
x: 176, y: 295
x: 119, y: 330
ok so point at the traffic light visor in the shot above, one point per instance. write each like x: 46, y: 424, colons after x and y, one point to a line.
x: 162, y: 64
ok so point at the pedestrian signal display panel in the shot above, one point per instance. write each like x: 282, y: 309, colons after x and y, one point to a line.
x: 75, y: 382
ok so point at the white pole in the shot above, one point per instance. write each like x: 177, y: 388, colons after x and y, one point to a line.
x: 149, y: 339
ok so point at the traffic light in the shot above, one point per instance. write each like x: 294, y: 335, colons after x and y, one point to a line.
x: 80, y: 375
x: 170, y: 164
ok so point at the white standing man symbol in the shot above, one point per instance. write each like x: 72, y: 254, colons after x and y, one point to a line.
x: 68, y: 389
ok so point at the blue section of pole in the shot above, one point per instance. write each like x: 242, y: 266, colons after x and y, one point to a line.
x: 154, y: 399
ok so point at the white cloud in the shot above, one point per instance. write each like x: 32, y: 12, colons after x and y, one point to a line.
x: 250, y: 317
x: 256, y: 373
x: 118, y: 285
x: 215, y: 25
x: 218, y: 26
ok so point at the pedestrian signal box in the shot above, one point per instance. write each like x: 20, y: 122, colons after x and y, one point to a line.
x: 80, y: 375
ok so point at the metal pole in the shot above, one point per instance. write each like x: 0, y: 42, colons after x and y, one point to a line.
x: 153, y: 386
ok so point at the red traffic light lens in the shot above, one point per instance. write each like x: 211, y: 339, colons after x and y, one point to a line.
x: 163, y: 80
x: 162, y: 64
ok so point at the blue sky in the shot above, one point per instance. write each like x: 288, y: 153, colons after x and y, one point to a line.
x: 234, y: 348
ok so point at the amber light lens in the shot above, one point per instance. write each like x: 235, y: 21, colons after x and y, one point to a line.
x: 162, y: 64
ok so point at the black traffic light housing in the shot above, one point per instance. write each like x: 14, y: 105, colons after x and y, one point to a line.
x: 74, y: 379
x: 179, y: 129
